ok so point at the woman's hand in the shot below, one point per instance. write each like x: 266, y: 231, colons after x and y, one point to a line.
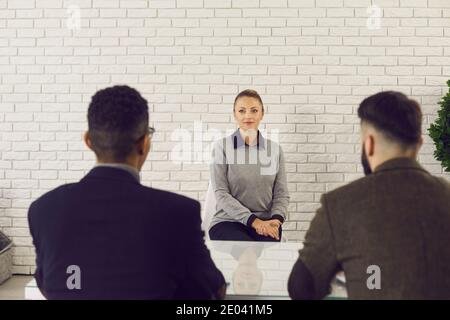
x: 275, y: 222
x: 273, y: 228
x: 259, y: 226
x: 269, y: 228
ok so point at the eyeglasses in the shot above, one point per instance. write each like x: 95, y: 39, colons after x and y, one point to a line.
x: 150, y: 132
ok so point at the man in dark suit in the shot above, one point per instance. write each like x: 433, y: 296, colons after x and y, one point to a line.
x: 389, y: 231
x: 108, y: 236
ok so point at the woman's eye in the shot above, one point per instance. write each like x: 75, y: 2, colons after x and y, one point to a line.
x: 241, y: 111
x: 255, y: 111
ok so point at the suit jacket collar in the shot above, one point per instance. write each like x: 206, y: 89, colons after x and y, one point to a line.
x: 110, y: 173
x: 399, y: 163
x: 131, y: 170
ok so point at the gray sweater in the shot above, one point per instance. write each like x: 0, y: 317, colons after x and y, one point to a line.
x: 248, y: 181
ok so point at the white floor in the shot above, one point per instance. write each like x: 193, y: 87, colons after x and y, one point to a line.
x: 14, y: 288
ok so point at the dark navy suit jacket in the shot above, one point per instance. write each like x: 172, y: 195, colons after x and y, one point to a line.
x: 129, y: 241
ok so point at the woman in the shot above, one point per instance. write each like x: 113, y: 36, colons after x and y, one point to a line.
x: 248, y: 178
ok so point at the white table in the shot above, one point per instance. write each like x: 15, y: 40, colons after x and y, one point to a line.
x: 253, y: 270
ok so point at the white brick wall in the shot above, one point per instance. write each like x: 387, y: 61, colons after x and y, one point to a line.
x: 313, y: 61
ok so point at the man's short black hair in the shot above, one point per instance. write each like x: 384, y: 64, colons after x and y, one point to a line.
x: 117, y: 119
x: 395, y: 115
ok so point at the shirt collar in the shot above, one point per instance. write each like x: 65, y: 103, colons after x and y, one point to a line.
x: 239, y: 142
x: 122, y: 166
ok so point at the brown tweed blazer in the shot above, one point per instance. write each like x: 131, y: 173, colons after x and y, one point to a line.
x: 397, y: 218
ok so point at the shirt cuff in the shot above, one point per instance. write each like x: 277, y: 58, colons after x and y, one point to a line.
x: 278, y: 217
x: 251, y: 219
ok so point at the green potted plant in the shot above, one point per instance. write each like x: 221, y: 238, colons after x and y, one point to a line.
x: 440, y: 132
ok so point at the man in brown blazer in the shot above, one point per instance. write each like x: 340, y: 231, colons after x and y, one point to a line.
x: 389, y: 231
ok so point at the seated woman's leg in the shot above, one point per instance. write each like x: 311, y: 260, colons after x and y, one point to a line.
x: 258, y: 237
x: 231, y: 231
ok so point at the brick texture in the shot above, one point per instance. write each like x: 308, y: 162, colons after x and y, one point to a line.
x: 312, y: 62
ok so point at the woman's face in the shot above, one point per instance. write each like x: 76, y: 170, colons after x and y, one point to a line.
x: 248, y: 113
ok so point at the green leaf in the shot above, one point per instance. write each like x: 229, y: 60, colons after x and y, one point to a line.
x: 439, y: 132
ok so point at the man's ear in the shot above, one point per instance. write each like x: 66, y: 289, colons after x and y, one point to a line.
x: 87, y: 140
x: 370, y: 145
x: 418, y: 146
x: 144, y: 145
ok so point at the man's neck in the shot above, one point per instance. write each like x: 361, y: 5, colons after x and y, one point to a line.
x: 381, y: 160
x: 129, y: 163
x: 122, y: 166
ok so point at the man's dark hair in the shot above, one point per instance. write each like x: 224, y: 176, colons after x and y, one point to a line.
x: 249, y: 93
x: 117, y: 119
x: 395, y: 115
